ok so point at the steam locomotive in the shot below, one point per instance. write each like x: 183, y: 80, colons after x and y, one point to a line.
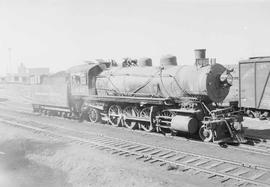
x: 169, y: 98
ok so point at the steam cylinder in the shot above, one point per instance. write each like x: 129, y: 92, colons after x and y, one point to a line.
x: 168, y: 81
x: 184, y: 124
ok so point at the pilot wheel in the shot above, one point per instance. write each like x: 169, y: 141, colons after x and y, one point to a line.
x: 93, y: 115
x: 205, y: 134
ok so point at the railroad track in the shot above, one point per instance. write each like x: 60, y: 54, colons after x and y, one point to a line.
x: 257, y: 148
x: 225, y: 171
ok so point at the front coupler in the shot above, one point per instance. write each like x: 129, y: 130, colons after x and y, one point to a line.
x: 222, y: 129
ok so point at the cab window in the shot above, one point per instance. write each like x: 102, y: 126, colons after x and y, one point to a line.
x: 79, y: 79
x: 83, y: 79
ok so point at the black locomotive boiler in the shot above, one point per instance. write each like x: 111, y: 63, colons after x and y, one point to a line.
x: 168, y: 98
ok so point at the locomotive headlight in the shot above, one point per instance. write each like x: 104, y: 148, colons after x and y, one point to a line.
x: 226, y: 79
x: 223, y: 77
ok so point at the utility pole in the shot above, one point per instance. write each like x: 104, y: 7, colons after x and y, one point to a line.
x: 9, y: 66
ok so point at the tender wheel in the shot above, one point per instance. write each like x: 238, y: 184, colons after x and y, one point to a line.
x: 130, y: 112
x: 93, y: 115
x: 63, y: 114
x: 35, y: 110
x: 206, y: 134
x: 257, y: 114
x: 46, y: 112
x: 268, y: 117
x: 250, y: 114
x: 264, y: 116
x: 69, y: 115
x: 115, y: 115
x: 49, y: 113
x: 146, y: 125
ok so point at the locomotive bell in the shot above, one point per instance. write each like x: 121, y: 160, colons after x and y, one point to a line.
x: 168, y: 60
x: 145, y: 62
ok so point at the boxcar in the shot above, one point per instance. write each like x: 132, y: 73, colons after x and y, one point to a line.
x: 254, y: 86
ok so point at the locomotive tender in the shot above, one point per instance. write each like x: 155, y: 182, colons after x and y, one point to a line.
x: 169, y: 98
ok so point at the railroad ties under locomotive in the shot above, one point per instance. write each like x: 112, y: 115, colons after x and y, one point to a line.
x: 168, y: 98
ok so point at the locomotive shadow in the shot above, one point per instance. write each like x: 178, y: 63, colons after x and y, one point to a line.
x: 3, y: 99
x: 194, y: 137
x: 258, y: 135
x: 187, y: 136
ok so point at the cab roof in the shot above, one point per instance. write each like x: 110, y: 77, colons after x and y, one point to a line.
x: 81, y: 68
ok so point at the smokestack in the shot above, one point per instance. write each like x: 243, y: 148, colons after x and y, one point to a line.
x: 200, y: 53
x: 200, y: 60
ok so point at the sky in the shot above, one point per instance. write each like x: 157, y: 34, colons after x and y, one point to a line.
x: 62, y: 33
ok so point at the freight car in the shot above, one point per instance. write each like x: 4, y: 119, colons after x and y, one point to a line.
x: 168, y: 98
x: 254, y: 87
x: 250, y: 91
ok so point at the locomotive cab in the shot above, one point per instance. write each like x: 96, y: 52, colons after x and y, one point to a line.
x: 83, y: 78
x: 82, y: 82
x: 92, y: 75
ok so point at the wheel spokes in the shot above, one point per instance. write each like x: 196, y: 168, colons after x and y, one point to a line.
x: 115, y: 115
x: 146, y: 125
x: 130, y: 112
x: 93, y: 115
x: 166, y: 120
x: 206, y: 134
